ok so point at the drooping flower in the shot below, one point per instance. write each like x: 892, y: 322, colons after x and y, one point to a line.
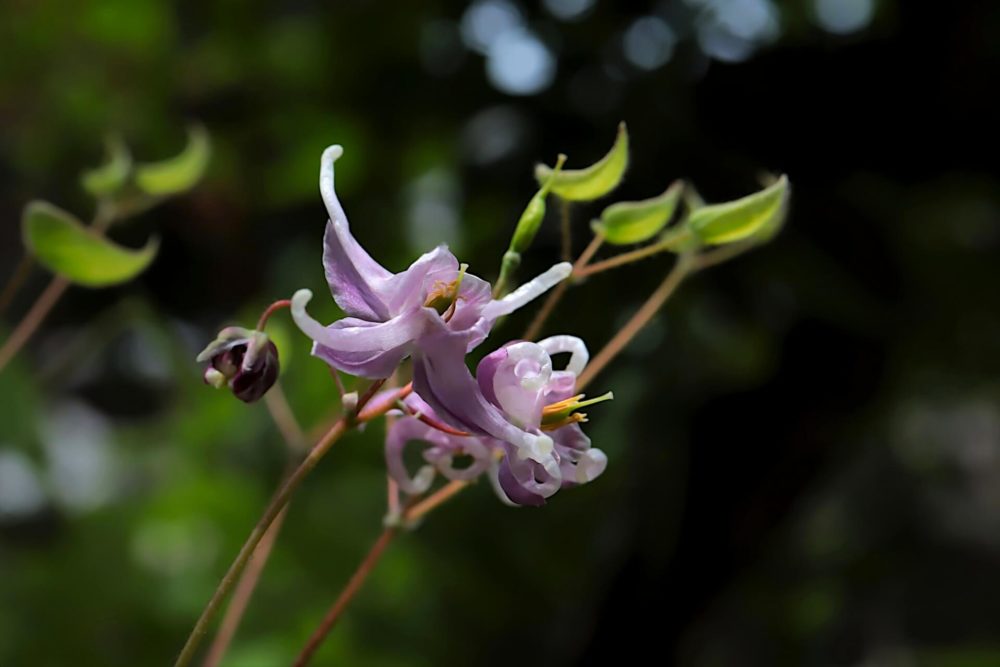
x: 388, y: 313
x: 246, y: 361
x: 520, y: 406
x: 442, y: 448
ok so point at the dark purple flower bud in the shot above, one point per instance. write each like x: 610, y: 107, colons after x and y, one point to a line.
x: 244, y: 360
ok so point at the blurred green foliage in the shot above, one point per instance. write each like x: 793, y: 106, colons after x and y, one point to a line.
x: 804, y: 447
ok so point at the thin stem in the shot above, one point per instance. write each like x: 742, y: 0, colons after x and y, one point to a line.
x: 443, y: 494
x: 719, y: 255
x: 33, y: 319
x: 243, y: 592
x: 668, y: 243
x: 278, y: 502
x: 103, y: 218
x: 274, y: 508
x: 353, y: 586
x: 283, y: 417
x: 271, y: 310
x: 567, y: 230
x: 653, y: 304
x: 17, y: 279
x: 391, y: 486
x: 535, y: 328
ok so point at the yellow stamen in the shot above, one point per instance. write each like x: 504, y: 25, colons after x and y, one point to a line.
x: 443, y: 297
x: 561, y: 413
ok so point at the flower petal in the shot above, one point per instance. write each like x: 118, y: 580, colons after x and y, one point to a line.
x: 579, y: 356
x: 409, y: 288
x: 444, y: 458
x: 579, y: 462
x: 355, y: 278
x: 359, y: 347
x: 515, y: 378
x: 441, y: 378
x: 528, y: 291
x: 519, y: 476
x: 401, y: 433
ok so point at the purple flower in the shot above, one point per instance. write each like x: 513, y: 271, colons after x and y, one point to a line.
x: 246, y: 361
x: 440, y: 452
x: 389, y: 313
x: 520, y: 406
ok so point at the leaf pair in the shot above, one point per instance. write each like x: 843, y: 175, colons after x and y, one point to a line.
x: 64, y: 245
x: 156, y: 179
x: 756, y: 217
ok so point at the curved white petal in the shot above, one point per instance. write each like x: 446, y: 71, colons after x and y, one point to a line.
x: 579, y: 356
x: 372, y: 338
x: 528, y: 291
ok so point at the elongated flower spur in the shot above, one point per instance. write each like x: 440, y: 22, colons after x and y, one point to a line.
x: 389, y: 314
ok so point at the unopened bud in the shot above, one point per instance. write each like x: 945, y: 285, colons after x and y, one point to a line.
x: 244, y: 360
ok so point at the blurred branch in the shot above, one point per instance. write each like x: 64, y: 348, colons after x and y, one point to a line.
x: 535, y: 328
x: 291, y: 431
x: 353, y: 586
x: 31, y: 321
x: 278, y: 502
x: 567, y: 230
x: 244, y: 591
x: 17, y: 279
x: 670, y: 283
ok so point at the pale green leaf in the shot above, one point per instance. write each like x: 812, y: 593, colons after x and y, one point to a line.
x: 179, y: 173
x: 596, y: 180
x: 637, y: 221
x: 62, y: 244
x: 111, y: 176
x: 755, y: 217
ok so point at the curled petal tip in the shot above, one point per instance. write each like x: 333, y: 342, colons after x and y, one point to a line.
x: 302, y: 319
x: 301, y: 298
x: 332, y: 153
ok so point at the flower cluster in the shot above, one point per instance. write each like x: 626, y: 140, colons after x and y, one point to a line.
x: 516, y: 419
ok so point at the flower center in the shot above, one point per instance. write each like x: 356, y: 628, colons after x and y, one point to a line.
x: 443, y: 296
x: 562, y: 413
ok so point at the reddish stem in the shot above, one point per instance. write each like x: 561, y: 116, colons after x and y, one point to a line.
x: 271, y: 310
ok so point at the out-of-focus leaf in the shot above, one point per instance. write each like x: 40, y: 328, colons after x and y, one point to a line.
x: 113, y: 174
x: 758, y: 216
x: 637, y: 221
x: 65, y: 246
x: 179, y: 173
x: 596, y: 180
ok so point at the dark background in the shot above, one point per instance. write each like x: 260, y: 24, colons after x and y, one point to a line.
x: 804, y: 446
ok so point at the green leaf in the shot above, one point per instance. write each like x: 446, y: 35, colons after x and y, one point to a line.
x: 65, y: 246
x: 111, y: 176
x: 179, y: 173
x: 758, y: 216
x: 596, y: 180
x: 637, y: 221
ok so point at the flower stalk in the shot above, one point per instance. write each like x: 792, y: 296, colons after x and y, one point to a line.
x: 274, y: 508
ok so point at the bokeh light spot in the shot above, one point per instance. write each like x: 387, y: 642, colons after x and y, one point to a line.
x: 844, y: 16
